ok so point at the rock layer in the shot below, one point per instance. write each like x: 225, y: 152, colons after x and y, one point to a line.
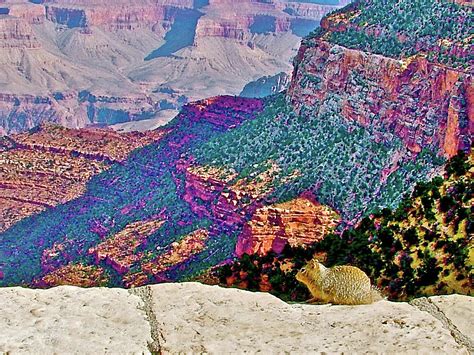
x: 423, y: 103
x: 182, y: 318
x: 297, y: 222
x: 17, y: 33
x: 52, y: 165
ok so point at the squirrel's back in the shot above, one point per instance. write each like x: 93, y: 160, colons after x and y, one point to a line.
x: 338, y: 285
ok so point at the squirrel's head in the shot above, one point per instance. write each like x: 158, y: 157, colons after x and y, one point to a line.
x: 309, y: 271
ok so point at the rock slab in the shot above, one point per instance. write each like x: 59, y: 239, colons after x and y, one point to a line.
x: 194, y: 318
x: 214, y: 320
x: 457, y: 308
x: 71, y: 320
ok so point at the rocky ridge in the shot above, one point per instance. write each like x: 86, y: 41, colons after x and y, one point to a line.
x: 189, y: 317
x: 52, y: 165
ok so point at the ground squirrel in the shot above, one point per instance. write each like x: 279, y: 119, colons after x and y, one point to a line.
x: 337, y: 285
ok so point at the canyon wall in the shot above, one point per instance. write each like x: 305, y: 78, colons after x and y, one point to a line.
x: 145, y: 58
x: 17, y: 33
x: 31, y: 13
x: 244, y: 19
x: 421, y: 101
x: 71, y: 109
x: 307, y: 9
x: 301, y: 221
x: 124, y: 15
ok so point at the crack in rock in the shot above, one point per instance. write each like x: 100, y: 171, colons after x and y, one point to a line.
x: 145, y: 295
x: 426, y: 305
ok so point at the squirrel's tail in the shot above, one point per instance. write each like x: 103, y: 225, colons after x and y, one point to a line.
x: 376, y: 294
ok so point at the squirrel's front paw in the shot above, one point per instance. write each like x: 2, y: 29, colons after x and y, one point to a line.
x: 314, y: 300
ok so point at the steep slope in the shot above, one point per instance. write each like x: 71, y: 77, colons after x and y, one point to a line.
x: 139, y: 57
x: 137, y: 195
x: 397, y: 78
x: 423, y: 247
x: 238, y: 175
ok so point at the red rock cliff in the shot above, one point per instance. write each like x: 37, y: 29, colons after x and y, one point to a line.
x: 297, y: 222
x: 421, y: 102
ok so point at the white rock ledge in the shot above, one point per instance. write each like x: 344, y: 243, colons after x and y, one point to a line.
x: 194, y: 318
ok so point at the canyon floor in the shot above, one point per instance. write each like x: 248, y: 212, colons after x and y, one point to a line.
x: 194, y: 318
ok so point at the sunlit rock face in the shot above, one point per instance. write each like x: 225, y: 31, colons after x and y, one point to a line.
x: 418, y: 99
x: 409, y: 98
x: 301, y: 221
x: 16, y: 33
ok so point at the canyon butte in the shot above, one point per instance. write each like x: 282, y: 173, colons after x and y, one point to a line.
x: 380, y: 99
x: 134, y: 64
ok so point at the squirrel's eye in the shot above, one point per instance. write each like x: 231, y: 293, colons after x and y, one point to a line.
x: 303, y: 269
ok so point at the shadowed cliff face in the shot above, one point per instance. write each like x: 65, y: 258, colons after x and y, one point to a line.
x: 303, y: 27
x: 266, y: 86
x: 123, y: 54
x: 180, y: 35
x: 71, y: 18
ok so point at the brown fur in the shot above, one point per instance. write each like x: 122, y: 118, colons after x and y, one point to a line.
x: 338, y: 285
